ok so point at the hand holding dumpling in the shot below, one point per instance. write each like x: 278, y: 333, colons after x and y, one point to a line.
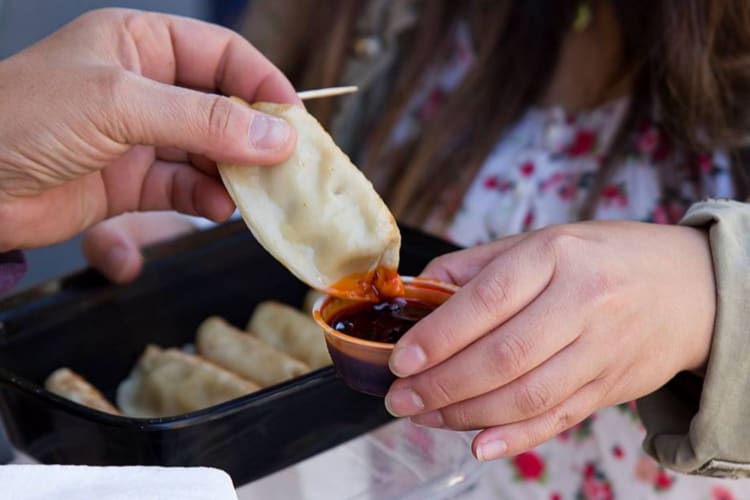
x: 100, y: 120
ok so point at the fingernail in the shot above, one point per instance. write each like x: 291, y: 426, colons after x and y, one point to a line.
x: 430, y: 419
x: 403, y: 402
x: 491, y: 450
x: 407, y: 360
x: 269, y: 132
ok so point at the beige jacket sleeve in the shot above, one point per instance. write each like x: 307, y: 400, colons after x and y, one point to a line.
x: 702, y: 426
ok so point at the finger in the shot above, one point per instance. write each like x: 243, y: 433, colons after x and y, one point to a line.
x: 113, y: 246
x: 513, y: 439
x: 148, y: 112
x: 511, y: 281
x: 175, y: 155
x: 460, y: 267
x: 196, y: 54
x: 539, y: 332
x: 205, y: 165
x: 536, y: 392
x: 172, y: 154
x: 176, y: 186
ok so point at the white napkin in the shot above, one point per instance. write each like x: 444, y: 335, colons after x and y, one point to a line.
x: 76, y: 482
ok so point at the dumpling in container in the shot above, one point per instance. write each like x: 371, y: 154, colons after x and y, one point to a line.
x: 291, y: 331
x: 168, y: 382
x: 250, y: 357
x: 70, y: 385
x: 318, y: 215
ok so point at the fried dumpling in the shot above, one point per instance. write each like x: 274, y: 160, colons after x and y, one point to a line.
x: 70, y: 385
x: 168, y: 382
x: 311, y: 297
x: 248, y: 356
x: 290, y: 331
x: 319, y: 215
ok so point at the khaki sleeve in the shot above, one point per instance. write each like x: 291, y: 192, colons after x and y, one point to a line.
x: 703, y: 426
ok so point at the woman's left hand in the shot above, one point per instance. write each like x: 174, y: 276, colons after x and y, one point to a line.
x: 551, y: 326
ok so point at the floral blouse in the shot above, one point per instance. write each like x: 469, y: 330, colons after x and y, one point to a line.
x: 540, y: 173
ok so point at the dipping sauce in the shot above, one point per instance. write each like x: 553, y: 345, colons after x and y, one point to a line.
x: 385, y: 321
x: 373, y: 286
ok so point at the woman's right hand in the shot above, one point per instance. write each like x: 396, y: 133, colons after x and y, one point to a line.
x: 101, y: 119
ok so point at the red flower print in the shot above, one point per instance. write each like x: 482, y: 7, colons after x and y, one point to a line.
x: 432, y: 103
x: 617, y: 451
x: 583, y: 143
x: 589, y: 470
x: 675, y: 211
x: 490, y: 182
x: 527, y: 169
x: 663, y: 481
x: 528, y: 220
x: 721, y: 493
x: 648, y: 141
x: 610, y: 192
x: 529, y: 466
x: 705, y: 163
x: 660, y: 215
x: 596, y: 489
x: 568, y: 191
x: 555, y: 496
x: 553, y: 179
x: 614, y: 193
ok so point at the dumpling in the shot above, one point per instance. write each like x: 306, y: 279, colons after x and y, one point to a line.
x: 319, y: 215
x: 70, y: 385
x: 290, y: 331
x: 249, y: 357
x: 168, y: 382
x: 311, y: 297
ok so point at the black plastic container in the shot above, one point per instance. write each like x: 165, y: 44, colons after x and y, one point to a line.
x: 99, y: 330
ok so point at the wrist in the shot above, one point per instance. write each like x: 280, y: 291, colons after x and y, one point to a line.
x: 702, y: 296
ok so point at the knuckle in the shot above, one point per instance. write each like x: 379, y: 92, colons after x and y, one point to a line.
x: 458, y: 417
x: 438, y: 265
x: 560, y: 420
x: 558, y: 241
x: 490, y: 291
x: 437, y: 390
x: 110, y: 81
x: 599, y: 288
x: 106, y: 103
x: 220, y: 111
x: 508, y: 354
x: 533, y: 397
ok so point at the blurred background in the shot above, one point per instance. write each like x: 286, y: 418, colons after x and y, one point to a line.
x: 23, y: 22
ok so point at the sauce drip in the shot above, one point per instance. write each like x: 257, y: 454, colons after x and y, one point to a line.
x: 374, y: 286
x: 384, y: 321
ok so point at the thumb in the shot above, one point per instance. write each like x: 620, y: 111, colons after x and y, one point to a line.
x: 458, y: 268
x: 217, y: 127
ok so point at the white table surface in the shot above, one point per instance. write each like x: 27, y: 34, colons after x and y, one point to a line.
x: 340, y: 474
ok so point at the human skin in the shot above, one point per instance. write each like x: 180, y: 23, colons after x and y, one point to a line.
x: 552, y: 325
x: 116, y: 112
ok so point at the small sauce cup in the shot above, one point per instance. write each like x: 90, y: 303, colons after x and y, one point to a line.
x: 363, y: 364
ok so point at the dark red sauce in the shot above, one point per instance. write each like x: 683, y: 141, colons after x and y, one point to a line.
x: 382, y: 322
